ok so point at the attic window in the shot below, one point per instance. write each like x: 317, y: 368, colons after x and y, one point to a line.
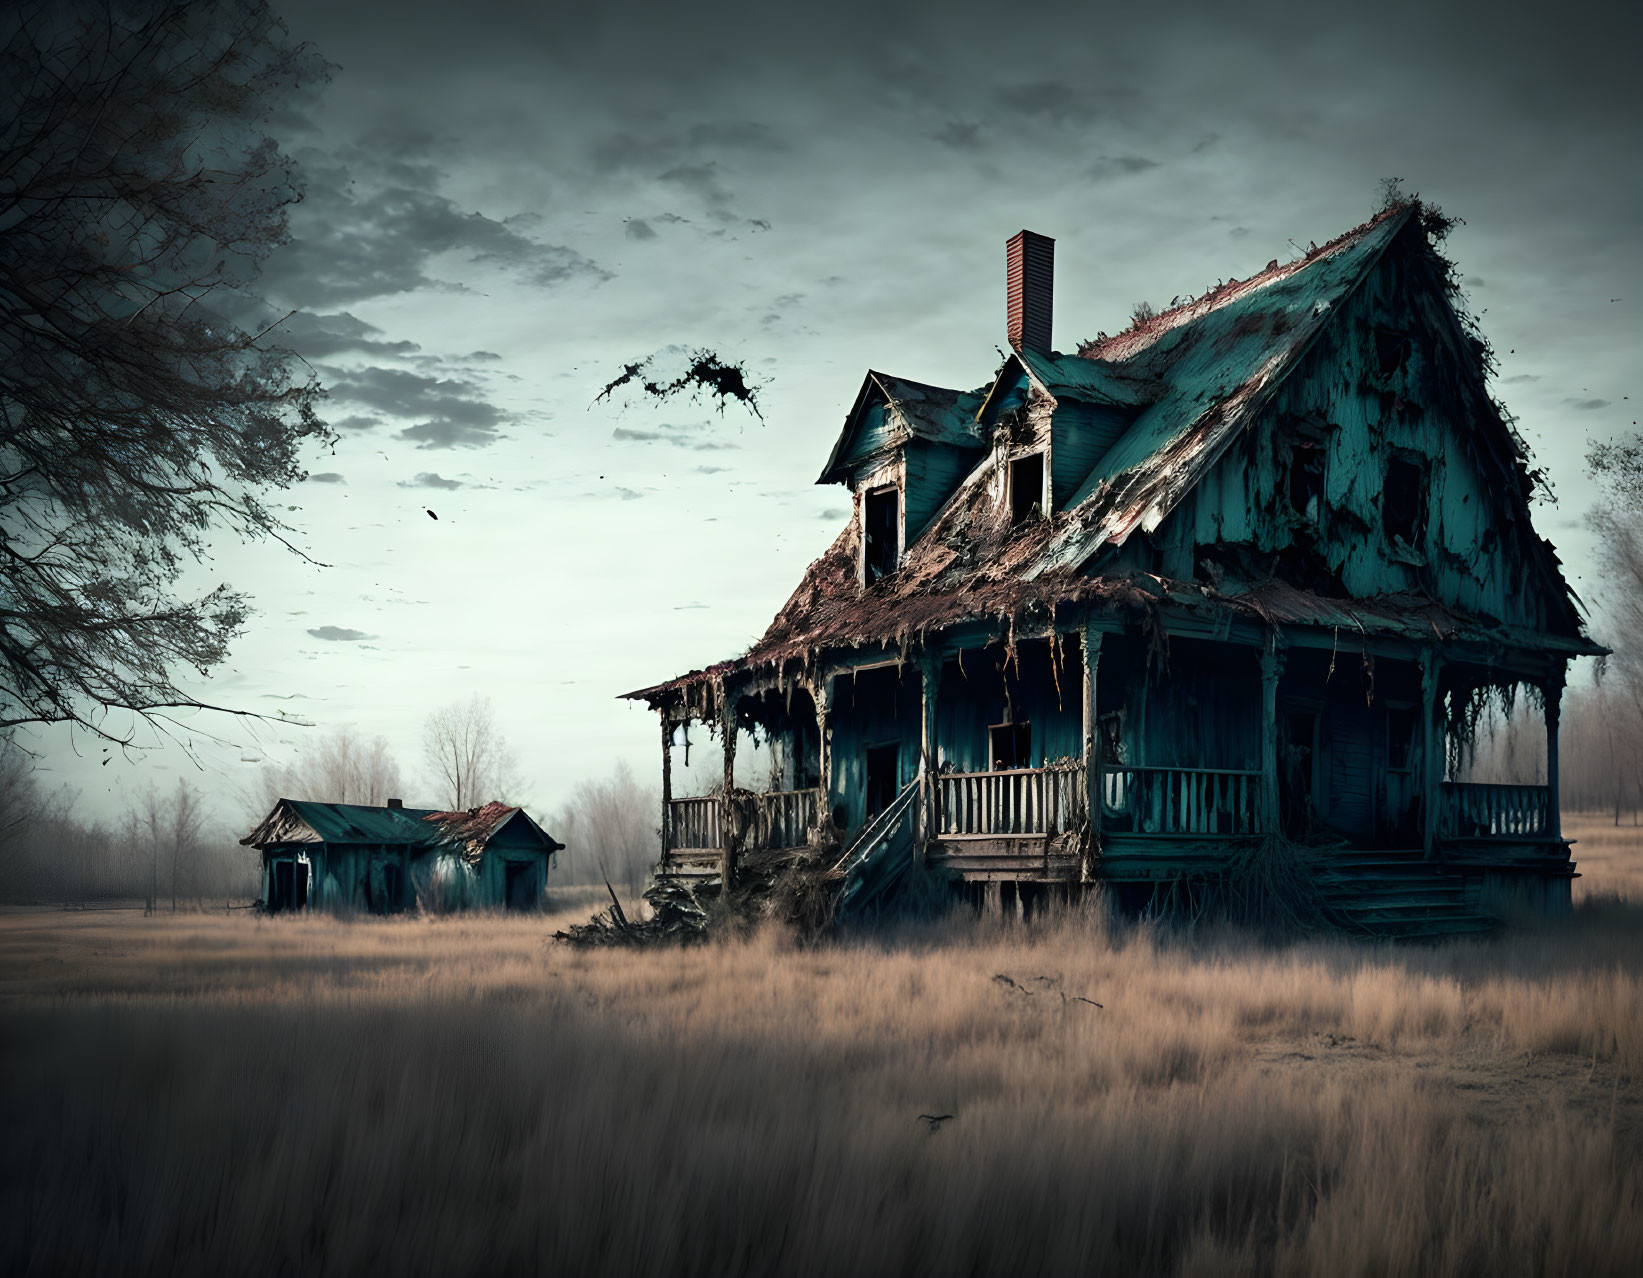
x: 1026, y: 487
x: 1403, y: 501
x: 1306, y: 480
x: 881, y: 526
x: 1392, y: 350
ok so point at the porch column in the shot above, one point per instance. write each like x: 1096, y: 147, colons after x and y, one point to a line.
x: 1092, y: 757
x: 1272, y: 667
x: 1432, y: 760
x: 930, y: 678
x: 1554, y: 709
x: 728, y: 833
x: 667, y: 787
x: 823, y: 697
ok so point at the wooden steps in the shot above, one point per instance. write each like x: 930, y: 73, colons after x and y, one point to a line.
x: 1396, y: 894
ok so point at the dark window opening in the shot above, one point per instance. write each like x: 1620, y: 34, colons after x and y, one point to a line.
x: 393, y: 888
x: 1295, y: 778
x: 1011, y: 746
x: 1403, y: 501
x: 883, y: 778
x: 1026, y: 487
x: 1400, y: 738
x: 517, y: 879
x: 1306, y: 480
x: 881, y: 521
x: 1392, y: 350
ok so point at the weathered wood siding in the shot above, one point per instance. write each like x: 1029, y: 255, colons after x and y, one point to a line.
x: 1477, y: 552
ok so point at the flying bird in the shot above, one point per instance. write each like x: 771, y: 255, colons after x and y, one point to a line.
x: 934, y: 1120
x: 431, y: 514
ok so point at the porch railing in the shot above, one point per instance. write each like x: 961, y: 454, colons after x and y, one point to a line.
x: 781, y: 819
x: 1472, y: 810
x: 1214, y: 801
x: 695, y: 822
x: 1020, y: 801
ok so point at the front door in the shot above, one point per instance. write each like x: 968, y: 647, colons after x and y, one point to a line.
x: 517, y: 879
x: 883, y: 778
x: 1349, y: 749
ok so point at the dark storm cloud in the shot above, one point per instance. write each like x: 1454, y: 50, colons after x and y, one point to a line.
x: 327, y: 477
x: 630, y: 151
x: 639, y: 229
x: 339, y: 634
x: 1121, y: 166
x: 370, y: 228
x: 959, y: 135
x: 447, y: 412
x: 1587, y: 405
x: 324, y: 336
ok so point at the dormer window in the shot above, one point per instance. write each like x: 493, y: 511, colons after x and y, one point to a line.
x: 1026, y: 488
x: 881, y: 533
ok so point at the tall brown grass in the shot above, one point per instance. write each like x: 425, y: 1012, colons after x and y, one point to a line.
x: 218, y: 1094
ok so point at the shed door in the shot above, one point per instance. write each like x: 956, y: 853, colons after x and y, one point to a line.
x: 1351, y: 770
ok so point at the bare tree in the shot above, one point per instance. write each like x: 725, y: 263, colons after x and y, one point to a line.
x: 469, y: 762
x: 341, y: 767
x: 609, y: 831
x: 22, y: 800
x: 139, y: 416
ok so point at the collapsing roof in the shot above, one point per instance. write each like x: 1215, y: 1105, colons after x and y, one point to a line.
x: 913, y: 410
x: 1186, y: 383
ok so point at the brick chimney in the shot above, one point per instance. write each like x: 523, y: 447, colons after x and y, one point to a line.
x: 1029, y: 271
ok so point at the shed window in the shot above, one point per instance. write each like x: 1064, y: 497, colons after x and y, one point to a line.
x: 1403, y: 500
x: 881, y: 521
x: 1026, y: 487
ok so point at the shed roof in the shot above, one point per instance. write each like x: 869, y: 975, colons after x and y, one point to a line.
x: 303, y: 821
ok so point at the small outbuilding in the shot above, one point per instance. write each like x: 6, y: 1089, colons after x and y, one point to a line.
x: 384, y: 860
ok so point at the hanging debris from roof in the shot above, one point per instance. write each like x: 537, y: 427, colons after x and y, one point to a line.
x: 706, y: 373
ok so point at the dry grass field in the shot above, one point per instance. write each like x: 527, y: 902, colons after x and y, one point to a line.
x: 214, y: 1094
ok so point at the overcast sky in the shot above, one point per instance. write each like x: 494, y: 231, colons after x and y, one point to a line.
x: 508, y: 202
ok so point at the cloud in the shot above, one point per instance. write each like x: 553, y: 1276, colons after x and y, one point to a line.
x: 1587, y: 405
x: 340, y: 634
x: 372, y: 226
x: 1121, y: 166
x: 628, y: 494
x: 960, y: 135
x: 323, y: 336
x: 694, y: 435
x: 1045, y: 99
x: 453, y: 412
x: 327, y: 477
x: 639, y: 229
x: 430, y: 479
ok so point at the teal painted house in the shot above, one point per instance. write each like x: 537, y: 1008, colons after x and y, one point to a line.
x: 1240, y: 578
x: 349, y: 857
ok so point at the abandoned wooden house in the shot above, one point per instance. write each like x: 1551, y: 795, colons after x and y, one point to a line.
x: 1235, y: 583
x: 345, y: 857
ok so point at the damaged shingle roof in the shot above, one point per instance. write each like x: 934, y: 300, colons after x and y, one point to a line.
x: 1189, y: 379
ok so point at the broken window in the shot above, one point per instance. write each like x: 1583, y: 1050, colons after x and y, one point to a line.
x: 1392, y: 350
x: 1306, y: 479
x: 881, y: 524
x: 1026, y: 487
x: 1012, y: 746
x: 1403, y: 501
